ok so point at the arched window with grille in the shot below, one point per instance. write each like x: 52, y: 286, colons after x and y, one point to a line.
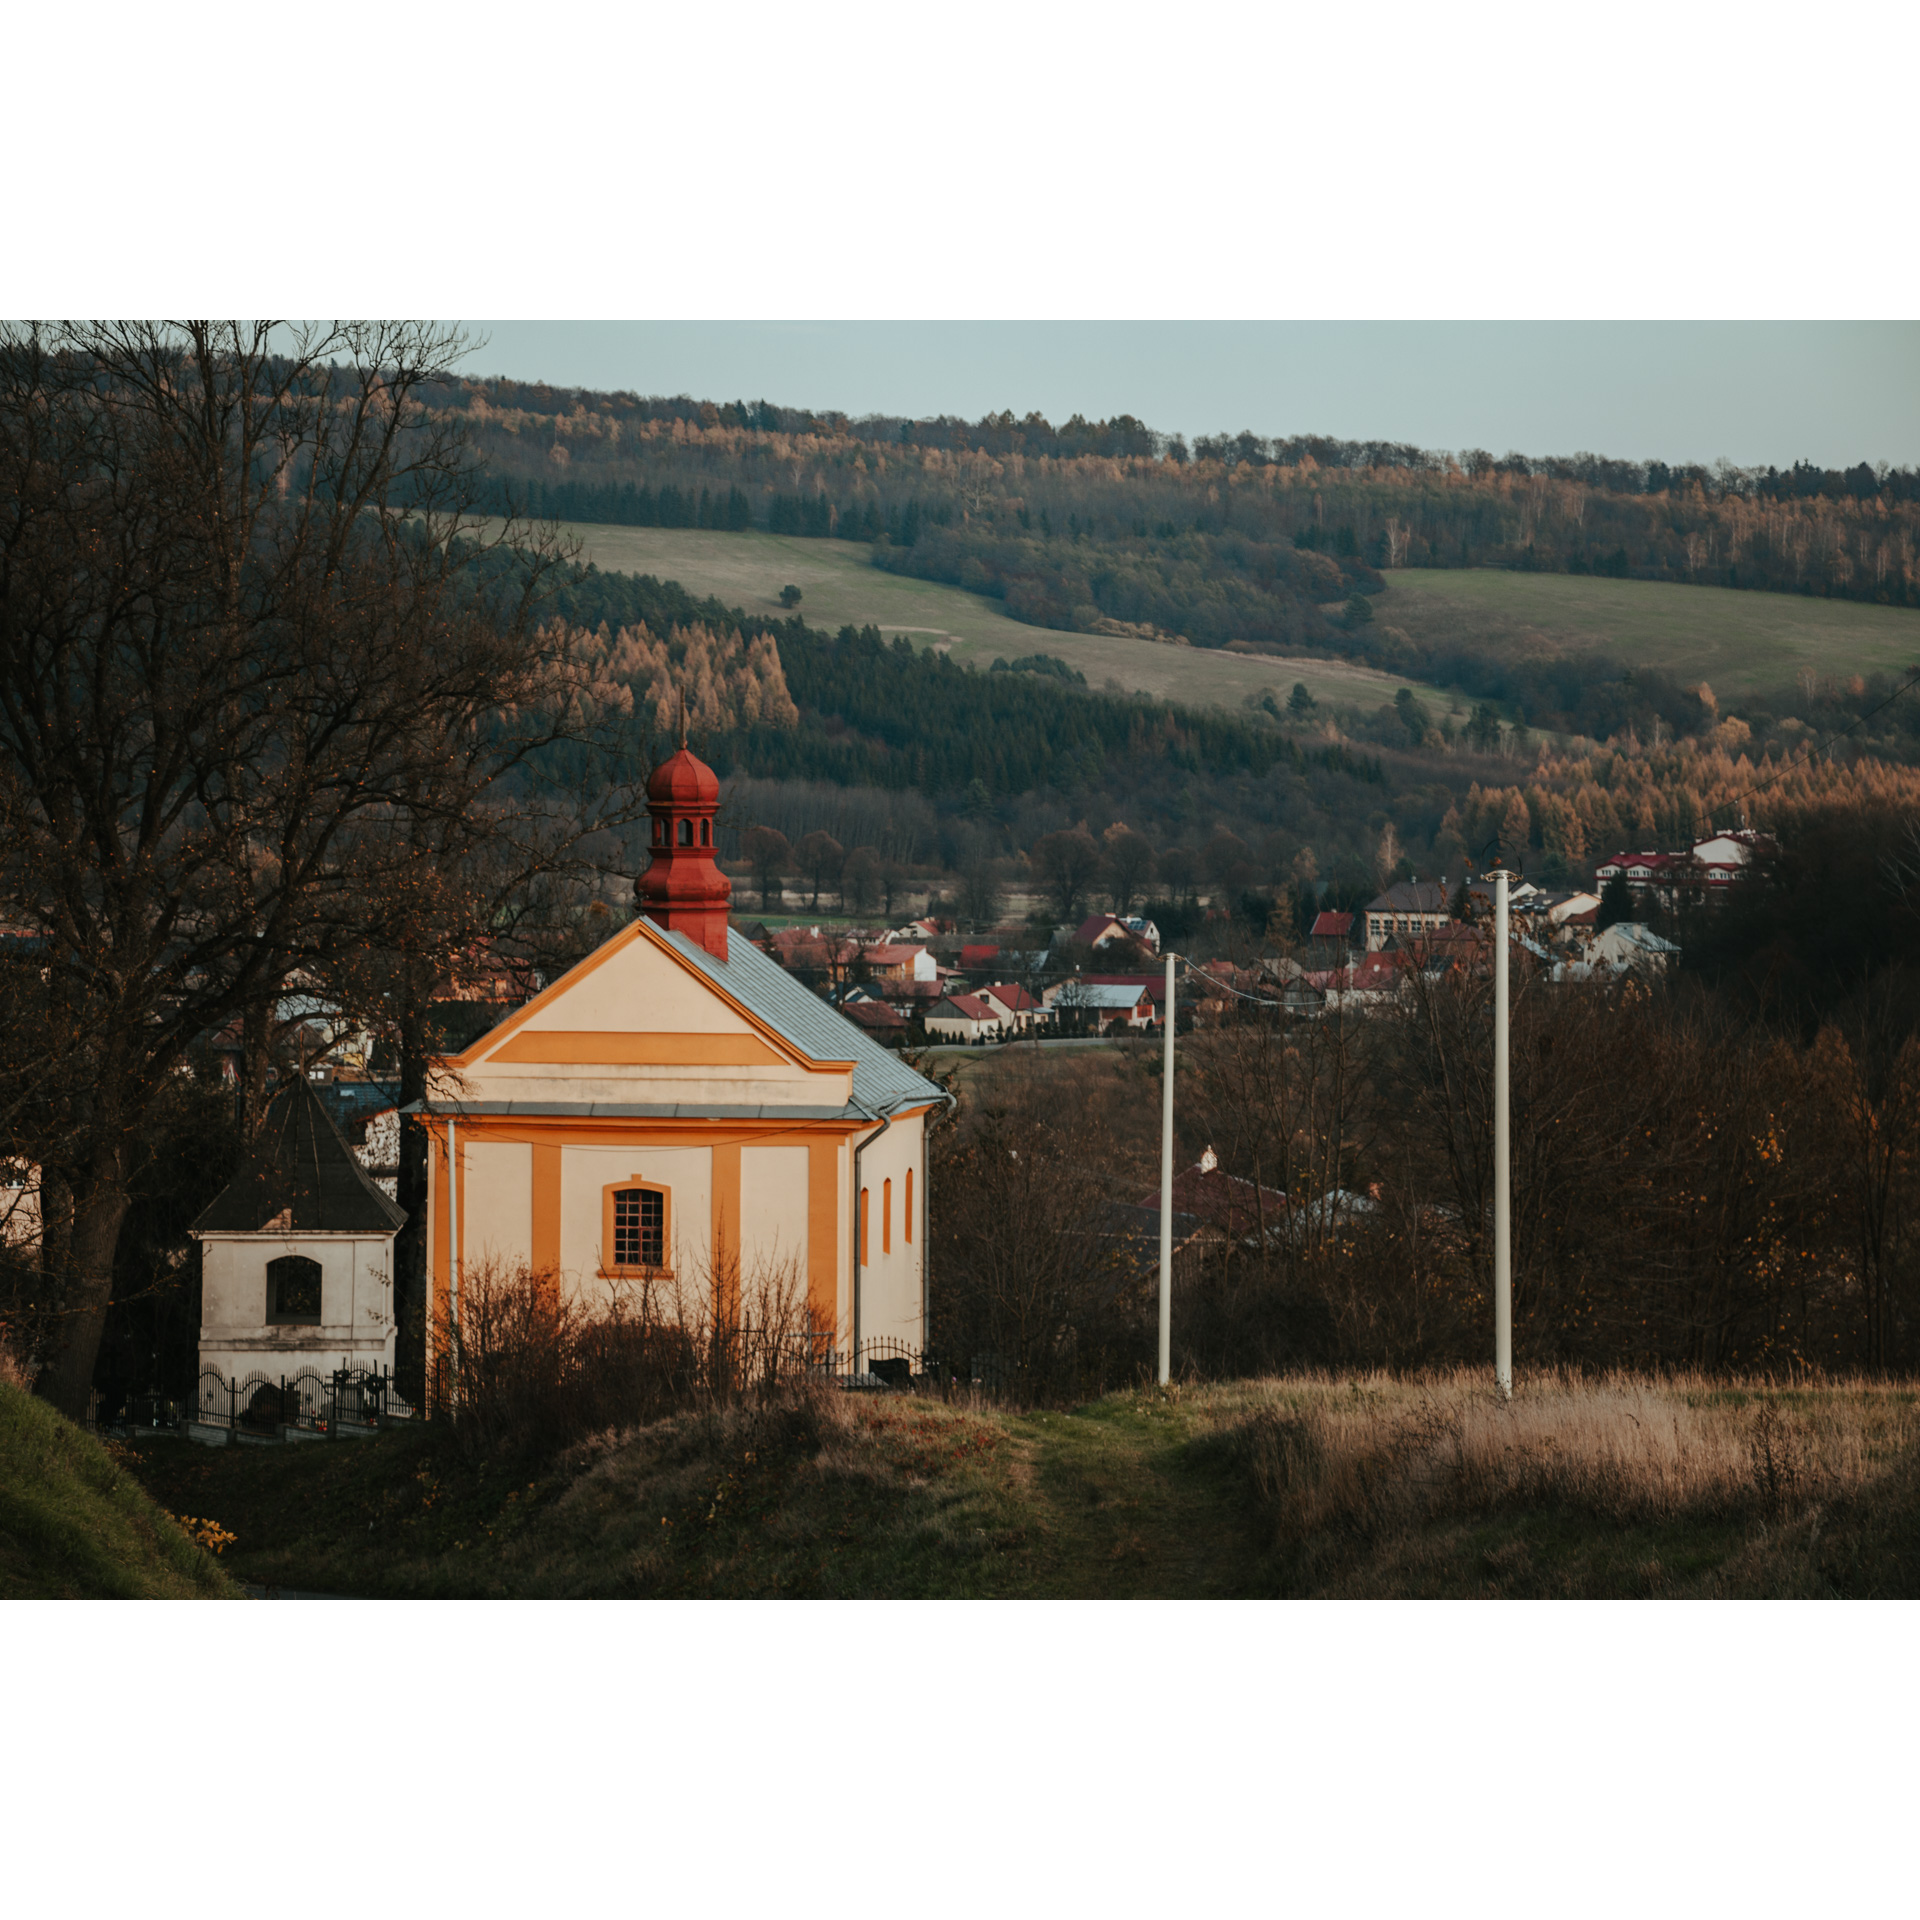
x: 636, y: 1227
x: 293, y: 1291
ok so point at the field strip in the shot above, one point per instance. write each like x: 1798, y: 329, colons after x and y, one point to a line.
x: 838, y: 586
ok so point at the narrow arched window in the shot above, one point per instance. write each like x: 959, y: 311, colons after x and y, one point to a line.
x: 686, y: 833
x: 865, y: 1252
x: 293, y: 1291
x: 706, y: 833
x: 659, y: 832
x: 886, y: 1216
x: 906, y: 1213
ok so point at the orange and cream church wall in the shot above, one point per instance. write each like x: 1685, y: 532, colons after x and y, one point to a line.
x: 893, y: 1237
x: 532, y: 1193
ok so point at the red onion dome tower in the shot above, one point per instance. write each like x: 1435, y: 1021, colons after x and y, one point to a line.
x: 682, y: 889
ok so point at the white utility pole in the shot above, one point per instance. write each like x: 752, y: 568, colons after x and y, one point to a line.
x: 453, y: 1268
x: 1502, y: 1153
x: 1166, y: 1186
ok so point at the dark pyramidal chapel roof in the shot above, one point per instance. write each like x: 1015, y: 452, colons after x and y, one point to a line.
x: 300, y: 1177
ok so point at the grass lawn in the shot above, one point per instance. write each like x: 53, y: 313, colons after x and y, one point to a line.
x: 1312, y: 1486
x: 76, y: 1525
x: 1737, y: 642
x: 840, y: 587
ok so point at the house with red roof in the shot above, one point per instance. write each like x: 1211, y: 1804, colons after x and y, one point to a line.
x: 876, y: 1017
x: 1099, y: 929
x: 1369, y: 982
x: 977, y: 958
x: 1707, y: 869
x: 899, y: 964
x: 1019, y: 1010
x: 1213, y: 1208
x: 964, y: 1017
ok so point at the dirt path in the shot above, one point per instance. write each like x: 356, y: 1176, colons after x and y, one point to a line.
x: 1126, y: 1511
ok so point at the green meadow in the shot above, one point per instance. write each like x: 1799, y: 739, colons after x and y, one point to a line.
x: 839, y: 587
x: 1737, y: 642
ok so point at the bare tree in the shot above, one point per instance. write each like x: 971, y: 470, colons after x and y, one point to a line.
x: 1129, y: 863
x: 978, y: 896
x: 860, y: 881
x: 770, y: 856
x: 1068, y: 863
x: 254, y: 663
x: 821, y: 859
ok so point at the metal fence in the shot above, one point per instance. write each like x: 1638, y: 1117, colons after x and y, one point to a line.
x: 268, y: 1404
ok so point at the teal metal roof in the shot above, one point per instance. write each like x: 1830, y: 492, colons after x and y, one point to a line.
x: 882, y: 1081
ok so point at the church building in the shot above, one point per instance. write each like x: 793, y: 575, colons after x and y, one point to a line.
x: 679, y: 1106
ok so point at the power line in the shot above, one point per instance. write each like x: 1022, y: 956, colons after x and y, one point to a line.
x: 1821, y: 746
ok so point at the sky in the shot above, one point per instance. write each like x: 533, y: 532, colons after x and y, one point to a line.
x: 1757, y: 393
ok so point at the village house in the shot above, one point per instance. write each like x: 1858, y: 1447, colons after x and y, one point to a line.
x: 895, y: 964
x: 1703, y: 871
x: 1101, y: 1006
x: 1101, y: 929
x: 884, y: 1022
x: 1154, y: 985
x: 965, y: 1017
x: 1211, y: 1208
x: 1372, y: 981
x: 1406, y: 907
x: 1018, y: 1009
x: 678, y: 1108
x: 367, y: 1112
x: 1332, y: 933
x: 19, y: 1204
x: 1628, y: 946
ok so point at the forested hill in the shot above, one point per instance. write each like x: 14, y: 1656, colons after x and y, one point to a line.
x: 1073, y: 524
x: 893, y: 716
x: 959, y: 761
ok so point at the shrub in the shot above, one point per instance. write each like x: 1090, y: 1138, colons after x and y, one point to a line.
x: 528, y: 1365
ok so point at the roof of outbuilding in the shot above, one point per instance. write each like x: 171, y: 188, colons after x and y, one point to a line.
x: 300, y: 1176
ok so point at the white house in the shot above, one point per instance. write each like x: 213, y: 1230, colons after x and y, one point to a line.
x: 296, y: 1254
x: 966, y: 1017
x: 1628, y: 946
x: 1017, y: 1008
x: 899, y: 964
x: 1104, y: 1006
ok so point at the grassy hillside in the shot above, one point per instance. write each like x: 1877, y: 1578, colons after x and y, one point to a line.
x: 1306, y: 1486
x: 1738, y: 642
x: 75, y: 1525
x: 840, y: 587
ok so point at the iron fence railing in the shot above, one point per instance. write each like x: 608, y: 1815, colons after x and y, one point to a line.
x: 308, y: 1401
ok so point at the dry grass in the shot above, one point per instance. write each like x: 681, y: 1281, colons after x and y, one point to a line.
x: 1384, y: 1485
x: 807, y: 1490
